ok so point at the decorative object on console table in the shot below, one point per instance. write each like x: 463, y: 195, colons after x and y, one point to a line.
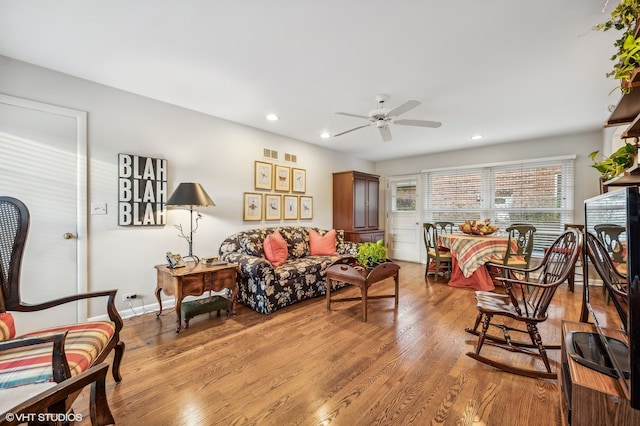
x: 190, y: 195
x: 355, y: 206
x: 252, y: 206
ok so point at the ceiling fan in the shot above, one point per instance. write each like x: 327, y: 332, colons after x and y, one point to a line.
x: 382, y: 116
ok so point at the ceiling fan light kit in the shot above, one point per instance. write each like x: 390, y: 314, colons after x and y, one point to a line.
x: 382, y: 116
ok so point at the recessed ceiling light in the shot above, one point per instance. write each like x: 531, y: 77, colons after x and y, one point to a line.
x: 325, y: 135
x: 272, y: 117
x: 476, y: 137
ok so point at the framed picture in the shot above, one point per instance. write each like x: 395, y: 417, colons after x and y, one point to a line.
x: 282, y: 178
x: 263, y: 175
x: 290, y: 206
x: 306, y: 207
x: 252, y: 206
x: 272, y: 207
x: 299, y: 180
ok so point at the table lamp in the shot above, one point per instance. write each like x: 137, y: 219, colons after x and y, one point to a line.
x: 190, y: 195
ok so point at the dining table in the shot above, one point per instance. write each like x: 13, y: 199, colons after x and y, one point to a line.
x: 469, y: 253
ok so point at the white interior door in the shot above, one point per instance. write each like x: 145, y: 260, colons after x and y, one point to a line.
x: 43, y: 164
x: 403, y: 219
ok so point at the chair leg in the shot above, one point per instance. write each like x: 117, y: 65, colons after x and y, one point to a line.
x: 118, y: 352
x: 483, y: 333
x: 437, y: 272
x: 536, y: 339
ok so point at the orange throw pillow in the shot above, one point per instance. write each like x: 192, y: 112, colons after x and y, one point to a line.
x: 275, y: 249
x: 322, y: 245
x: 7, y: 326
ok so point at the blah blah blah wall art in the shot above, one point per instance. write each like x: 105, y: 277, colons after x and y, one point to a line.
x: 142, y: 190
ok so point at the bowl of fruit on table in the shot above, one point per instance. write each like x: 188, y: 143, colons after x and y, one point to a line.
x: 478, y: 227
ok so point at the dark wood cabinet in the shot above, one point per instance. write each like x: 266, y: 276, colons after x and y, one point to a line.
x: 355, y: 205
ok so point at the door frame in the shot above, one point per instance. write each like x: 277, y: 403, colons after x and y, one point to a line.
x: 80, y: 118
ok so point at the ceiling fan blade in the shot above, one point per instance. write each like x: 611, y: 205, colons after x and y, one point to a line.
x: 385, y: 133
x: 351, y: 130
x: 401, y: 109
x: 421, y: 123
x: 352, y: 115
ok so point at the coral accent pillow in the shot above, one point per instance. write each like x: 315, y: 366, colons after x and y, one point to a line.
x: 275, y: 249
x: 322, y: 245
x: 7, y: 326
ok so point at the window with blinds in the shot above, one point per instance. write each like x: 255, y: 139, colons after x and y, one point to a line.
x: 538, y: 192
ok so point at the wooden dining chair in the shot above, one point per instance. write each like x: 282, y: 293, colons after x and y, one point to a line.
x: 519, y: 250
x: 609, y: 236
x: 440, y: 257
x: 612, y: 279
x: 444, y: 227
x: 524, y: 306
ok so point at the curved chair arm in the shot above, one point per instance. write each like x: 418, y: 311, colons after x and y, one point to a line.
x: 111, y: 305
x: 58, y: 359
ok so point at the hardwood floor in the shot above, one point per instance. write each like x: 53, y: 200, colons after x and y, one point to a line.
x: 304, y: 365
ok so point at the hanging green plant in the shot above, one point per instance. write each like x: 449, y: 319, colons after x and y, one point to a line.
x: 627, y: 57
x: 616, y: 163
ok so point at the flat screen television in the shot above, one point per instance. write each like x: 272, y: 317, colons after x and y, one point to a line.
x: 622, y: 207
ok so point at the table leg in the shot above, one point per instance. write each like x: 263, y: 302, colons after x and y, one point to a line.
x: 328, y: 292
x: 179, y: 314
x: 158, y: 290
x: 396, y: 278
x: 363, y: 290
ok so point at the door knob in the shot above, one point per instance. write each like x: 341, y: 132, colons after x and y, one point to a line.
x: 68, y: 236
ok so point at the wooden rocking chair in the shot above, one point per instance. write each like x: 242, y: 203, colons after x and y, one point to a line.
x: 525, y: 302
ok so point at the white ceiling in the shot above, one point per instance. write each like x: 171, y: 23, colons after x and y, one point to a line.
x: 508, y: 69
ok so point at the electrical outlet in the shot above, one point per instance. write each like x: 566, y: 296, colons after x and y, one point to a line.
x: 129, y: 296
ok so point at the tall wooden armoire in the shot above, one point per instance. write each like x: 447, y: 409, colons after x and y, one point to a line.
x: 355, y: 206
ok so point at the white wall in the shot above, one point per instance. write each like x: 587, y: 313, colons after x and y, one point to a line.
x: 217, y: 153
x: 582, y: 144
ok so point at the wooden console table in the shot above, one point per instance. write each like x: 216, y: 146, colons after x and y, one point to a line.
x: 589, y: 397
x: 194, y: 280
x: 345, y: 270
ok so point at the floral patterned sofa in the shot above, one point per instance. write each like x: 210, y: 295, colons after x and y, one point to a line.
x: 265, y: 288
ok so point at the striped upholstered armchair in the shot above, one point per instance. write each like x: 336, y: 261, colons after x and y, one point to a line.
x: 52, y: 354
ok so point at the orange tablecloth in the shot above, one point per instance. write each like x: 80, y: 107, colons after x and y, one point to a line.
x: 469, y: 254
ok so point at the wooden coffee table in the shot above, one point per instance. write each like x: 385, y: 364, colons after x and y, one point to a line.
x: 347, y: 271
x: 194, y: 280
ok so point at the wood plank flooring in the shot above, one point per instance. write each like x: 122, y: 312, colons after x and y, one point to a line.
x: 304, y: 365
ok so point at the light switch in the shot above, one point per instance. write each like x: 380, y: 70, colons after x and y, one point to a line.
x: 99, y: 208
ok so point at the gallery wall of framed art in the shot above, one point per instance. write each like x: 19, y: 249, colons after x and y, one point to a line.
x: 285, y: 197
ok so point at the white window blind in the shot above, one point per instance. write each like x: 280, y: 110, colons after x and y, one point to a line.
x: 538, y: 192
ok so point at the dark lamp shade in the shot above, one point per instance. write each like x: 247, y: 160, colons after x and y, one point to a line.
x: 190, y: 194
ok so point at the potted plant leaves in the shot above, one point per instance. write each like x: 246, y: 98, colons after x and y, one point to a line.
x: 615, y: 164
x: 371, y: 254
x: 624, y: 18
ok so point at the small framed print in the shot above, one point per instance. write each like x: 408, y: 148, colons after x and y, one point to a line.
x: 263, y: 175
x: 299, y: 180
x: 272, y: 207
x: 290, y: 206
x: 282, y: 178
x: 252, y: 206
x: 306, y: 207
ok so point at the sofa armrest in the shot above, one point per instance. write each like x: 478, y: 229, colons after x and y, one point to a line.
x: 348, y: 248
